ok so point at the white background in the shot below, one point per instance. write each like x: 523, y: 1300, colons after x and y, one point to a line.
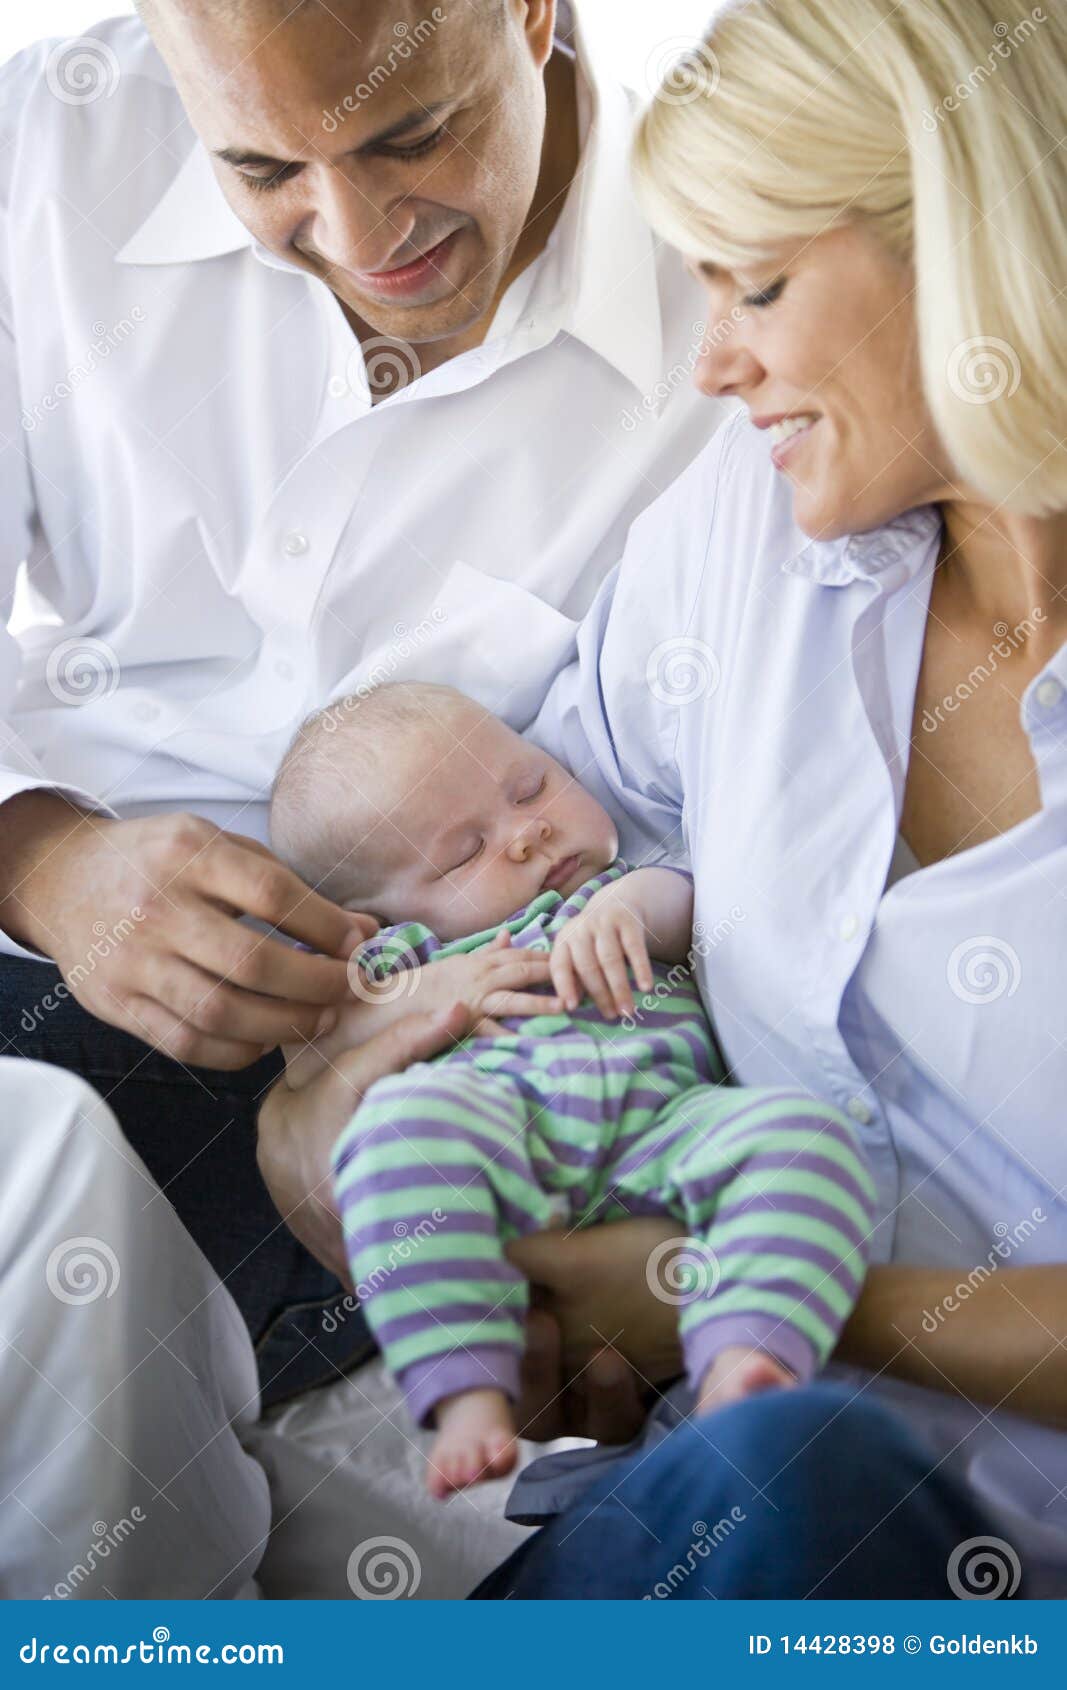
x: 634, y: 32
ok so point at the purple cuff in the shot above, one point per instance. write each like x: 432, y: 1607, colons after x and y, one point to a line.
x: 482, y: 1367
x: 753, y: 1332
x: 672, y: 868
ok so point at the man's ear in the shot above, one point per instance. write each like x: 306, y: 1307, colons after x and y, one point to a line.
x: 540, y: 29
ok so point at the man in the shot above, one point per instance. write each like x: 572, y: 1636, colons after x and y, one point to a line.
x: 332, y: 349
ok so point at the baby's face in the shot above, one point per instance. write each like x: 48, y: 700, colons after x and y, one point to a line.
x: 480, y: 822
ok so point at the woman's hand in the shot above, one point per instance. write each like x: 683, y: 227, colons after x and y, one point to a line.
x: 595, y: 950
x: 600, y: 1341
x: 496, y: 980
x: 298, y: 1129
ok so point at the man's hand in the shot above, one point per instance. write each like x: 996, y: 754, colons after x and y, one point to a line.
x: 599, y: 1341
x: 141, y: 917
x: 496, y: 980
x: 298, y: 1129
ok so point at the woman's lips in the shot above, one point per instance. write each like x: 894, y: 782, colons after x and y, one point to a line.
x: 409, y: 278
x: 782, y: 449
x: 559, y: 876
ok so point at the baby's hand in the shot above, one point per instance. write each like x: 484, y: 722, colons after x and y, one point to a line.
x: 496, y: 980
x: 593, y: 952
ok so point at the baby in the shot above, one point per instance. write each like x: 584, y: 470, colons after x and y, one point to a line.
x: 496, y: 879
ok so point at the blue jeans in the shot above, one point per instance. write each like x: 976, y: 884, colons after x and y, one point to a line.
x: 195, y: 1130
x: 803, y: 1493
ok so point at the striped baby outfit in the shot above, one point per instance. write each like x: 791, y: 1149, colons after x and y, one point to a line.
x: 572, y: 1120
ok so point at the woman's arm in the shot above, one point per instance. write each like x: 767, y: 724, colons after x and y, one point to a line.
x: 1002, y: 1342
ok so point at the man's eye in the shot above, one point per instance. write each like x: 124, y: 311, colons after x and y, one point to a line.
x: 419, y: 149
x: 765, y: 296
x: 264, y: 184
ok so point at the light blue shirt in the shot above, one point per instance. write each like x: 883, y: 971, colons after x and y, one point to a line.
x: 744, y: 697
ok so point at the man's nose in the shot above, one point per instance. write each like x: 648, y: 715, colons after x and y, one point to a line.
x: 532, y: 834
x: 351, y: 231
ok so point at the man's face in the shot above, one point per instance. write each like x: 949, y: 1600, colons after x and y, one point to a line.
x: 390, y: 147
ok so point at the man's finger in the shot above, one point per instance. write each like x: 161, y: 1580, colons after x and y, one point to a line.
x: 257, y: 884
x: 614, y: 1411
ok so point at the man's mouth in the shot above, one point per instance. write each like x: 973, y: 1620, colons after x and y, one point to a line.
x: 558, y: 876
x: 409, y: 278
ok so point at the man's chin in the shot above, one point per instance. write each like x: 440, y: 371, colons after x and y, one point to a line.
x: 456, y: 312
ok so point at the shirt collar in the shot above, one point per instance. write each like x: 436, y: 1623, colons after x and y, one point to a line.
x: 891, y: 555
x: 605, y: 250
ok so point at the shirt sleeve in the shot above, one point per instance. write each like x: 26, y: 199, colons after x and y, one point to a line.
x: 612, y: 718
x: 19, y: 769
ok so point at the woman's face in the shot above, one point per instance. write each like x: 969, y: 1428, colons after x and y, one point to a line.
x: 821, y: 346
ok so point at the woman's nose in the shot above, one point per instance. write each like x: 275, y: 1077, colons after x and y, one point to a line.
x: 724, y: 366
x: 529, y: 836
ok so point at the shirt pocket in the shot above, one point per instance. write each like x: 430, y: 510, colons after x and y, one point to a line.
x: 488, y: 637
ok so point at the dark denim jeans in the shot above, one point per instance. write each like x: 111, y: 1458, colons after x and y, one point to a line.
x: 195, y: 1129
x: 803, y: 1493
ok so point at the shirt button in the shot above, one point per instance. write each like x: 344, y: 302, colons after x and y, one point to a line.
x: 295, y: 544
x: 146, y: 712
x: 1049, y: 694
x: 849, y: 927
x: 338, y: 387
x: 860, y: 1111
x: 284, y: 669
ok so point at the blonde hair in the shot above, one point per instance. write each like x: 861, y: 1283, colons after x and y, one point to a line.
x: 934, y: 123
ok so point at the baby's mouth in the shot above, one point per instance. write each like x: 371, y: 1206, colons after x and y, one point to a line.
x: 560, y: 874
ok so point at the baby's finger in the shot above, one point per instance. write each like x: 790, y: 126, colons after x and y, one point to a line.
x: 610, y: 955
x: 592, y: 977
x: 502, y: 940
x: 636, y: 946
x: 564, y: 978
x: 487, y: 1028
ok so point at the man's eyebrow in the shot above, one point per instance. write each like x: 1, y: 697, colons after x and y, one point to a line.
x: 240, y: 156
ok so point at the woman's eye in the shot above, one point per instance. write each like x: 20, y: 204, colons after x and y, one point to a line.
x: 530, y: 796
x: 419, y: 149
x: 765, y: 296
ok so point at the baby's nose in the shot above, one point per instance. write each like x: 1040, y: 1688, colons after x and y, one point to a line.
x: 534, y: 833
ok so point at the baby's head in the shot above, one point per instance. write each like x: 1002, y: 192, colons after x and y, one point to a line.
x: 413, y: 803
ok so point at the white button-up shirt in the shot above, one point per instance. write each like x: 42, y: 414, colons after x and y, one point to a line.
x: 744, y: 697
x: 222, y: 532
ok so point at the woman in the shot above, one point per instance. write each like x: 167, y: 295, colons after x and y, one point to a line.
x: 833, y: 667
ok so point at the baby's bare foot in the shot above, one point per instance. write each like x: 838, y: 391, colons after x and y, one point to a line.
x: 475, y: 1441
x: 738, y: 1372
